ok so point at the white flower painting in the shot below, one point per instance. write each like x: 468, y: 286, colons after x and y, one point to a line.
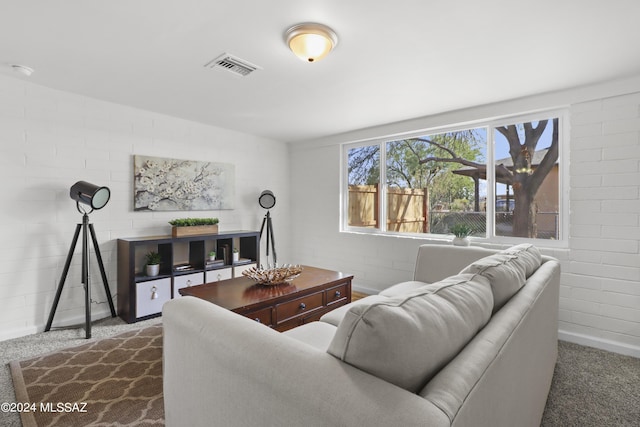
x: 162, y: 184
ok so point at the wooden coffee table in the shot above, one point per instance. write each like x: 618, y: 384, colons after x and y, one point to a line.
x: 304, y: 299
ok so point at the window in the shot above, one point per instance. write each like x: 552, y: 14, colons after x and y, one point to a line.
x: 527, y: 179
x: 363, y: 186
x: 502, y: 179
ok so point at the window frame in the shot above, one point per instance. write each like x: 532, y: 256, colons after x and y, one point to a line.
x: 490, y: 124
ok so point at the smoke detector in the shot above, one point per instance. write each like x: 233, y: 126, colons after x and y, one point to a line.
x: 233, y: 64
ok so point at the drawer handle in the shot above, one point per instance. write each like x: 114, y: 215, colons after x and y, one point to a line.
x: 219, y: 277
x: 188, y: 282
x: 154, y: 293
x: 303, y: 306
x: 338, y: 294
x: 257, y: 319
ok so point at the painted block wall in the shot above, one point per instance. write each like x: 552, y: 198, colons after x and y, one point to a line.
x: 600, y: 285
x: 51, y: 139
x: 600, y: 292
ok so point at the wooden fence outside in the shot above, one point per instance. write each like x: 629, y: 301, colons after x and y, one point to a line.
x: 407, y: 212
x: 405, y: 208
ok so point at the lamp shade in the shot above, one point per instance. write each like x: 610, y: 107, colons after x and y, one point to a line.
x: 310, y: 41
x: 90, y: 194
x: 267, y: 200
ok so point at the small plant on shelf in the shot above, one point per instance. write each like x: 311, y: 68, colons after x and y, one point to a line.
x: 191, y: 222
x: 153, y: 263
x: 193, y: 226
x: 153, y: 258
x: 212, y: 255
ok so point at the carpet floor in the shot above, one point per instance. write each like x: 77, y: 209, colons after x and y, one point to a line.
x: 590, y: 387
x: 47, y: 342
x: 112, y: 381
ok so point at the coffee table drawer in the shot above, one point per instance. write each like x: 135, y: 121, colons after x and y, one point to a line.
x: 338, y: 293
x: 261, y: 316
x: 298, y: 307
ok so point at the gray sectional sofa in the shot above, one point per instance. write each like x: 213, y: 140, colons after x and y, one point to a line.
x: 471, y: 341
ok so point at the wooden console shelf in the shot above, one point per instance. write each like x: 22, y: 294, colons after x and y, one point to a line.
x: 184, y: 263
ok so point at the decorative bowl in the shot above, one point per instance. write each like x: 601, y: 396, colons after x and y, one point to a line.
x: 273, y: 275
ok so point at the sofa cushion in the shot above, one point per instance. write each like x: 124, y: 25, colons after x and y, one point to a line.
x: 505, y: 272
x: 528, y: 256
x: 316, y: 334
x: 402, y: 288
x: 406, y: 340
x: 334, y: 317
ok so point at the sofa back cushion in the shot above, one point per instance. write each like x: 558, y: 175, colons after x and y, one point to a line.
x: 506, y: 270
x: 407, y: 339
x: 527, y: 256
x: 437, y: 262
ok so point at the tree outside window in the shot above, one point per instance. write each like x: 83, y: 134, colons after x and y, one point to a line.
x: 424, y: 194
x: 530, y: 169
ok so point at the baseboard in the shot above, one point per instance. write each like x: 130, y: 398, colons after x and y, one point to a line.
x: 364, y: 290
x: 19, y: 332
x: 600, y: 343
x: 78, y: 321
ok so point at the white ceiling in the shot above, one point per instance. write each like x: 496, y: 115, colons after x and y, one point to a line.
x: 395, y: 60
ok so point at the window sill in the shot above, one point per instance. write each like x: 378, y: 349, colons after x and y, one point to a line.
x: 491, y: 243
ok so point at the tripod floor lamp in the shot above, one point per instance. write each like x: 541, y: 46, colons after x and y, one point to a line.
x: 95, y: 197
x: 267, y: 200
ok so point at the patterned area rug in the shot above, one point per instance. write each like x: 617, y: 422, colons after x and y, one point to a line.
x: 116, y: 380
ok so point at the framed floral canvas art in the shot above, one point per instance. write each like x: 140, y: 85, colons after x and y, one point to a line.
x: 162, y: 184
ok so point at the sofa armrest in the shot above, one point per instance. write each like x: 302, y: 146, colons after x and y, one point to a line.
x: 221, y: 368
x: 503, y: 376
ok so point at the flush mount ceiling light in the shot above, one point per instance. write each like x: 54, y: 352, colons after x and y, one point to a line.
x: 310, y: 41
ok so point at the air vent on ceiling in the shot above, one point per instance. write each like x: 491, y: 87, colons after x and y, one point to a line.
x: 232, y: 64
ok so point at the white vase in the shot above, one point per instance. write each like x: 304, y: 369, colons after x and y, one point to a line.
x: 461, y: 241
x: 153, y: 270
x: 236, y: 256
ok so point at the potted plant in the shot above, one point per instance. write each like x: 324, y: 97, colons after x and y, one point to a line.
x: 461, y: 231
x: 236, y: 255
x: 153, y: 263
x: 193, y: 226
x: 212, y: 256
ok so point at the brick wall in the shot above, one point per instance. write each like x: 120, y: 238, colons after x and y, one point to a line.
x: 600, y: 294
x: 600, y: 285
x: 51, y: 139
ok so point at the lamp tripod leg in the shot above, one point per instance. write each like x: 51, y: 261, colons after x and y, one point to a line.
x: 104, y: 275
x: 273, y: 242
x: 85, y: 276
x: 270, y: 241
x: 65, y: 271
x: 264, y: 221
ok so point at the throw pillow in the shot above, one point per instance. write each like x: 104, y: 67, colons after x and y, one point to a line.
x: 407, y: 339
x: 528, y: 256
x: 504, y: 272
